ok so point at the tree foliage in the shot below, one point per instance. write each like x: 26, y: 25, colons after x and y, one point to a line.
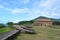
x: 2, y: 25
x: 56, y: 23
x: 10, y: 23
x: 25, y: 22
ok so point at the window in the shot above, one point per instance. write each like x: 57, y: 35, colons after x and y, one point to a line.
x: 41, y: 24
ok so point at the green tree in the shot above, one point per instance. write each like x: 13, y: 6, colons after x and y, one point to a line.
x: 25, y: 22
x: 2, y: 25
x: 10, y: 24
x: 56, y: 23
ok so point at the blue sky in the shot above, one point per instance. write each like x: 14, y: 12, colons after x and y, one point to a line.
x: 19, y: 10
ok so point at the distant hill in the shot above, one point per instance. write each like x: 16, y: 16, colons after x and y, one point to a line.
x: 43, y: 17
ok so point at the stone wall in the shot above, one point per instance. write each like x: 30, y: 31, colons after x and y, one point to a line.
x: 42, y: 24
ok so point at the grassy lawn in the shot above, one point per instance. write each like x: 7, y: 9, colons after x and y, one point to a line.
x: 2, y: 30
x: 43, y: 33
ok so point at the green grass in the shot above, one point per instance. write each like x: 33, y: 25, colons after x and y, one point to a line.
x: 43, y: 33
x: 5, y: 29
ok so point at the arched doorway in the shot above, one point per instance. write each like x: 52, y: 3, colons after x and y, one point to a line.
x: 41, y: 25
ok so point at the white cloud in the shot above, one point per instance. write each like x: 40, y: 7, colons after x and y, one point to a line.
x: 39, y: 8
x: 1, y: 6
x: 16, y: 11
x: 5, y: 3
x: 49, y: 8
x: 17, y: 2
x: 47, y: 3
x: 25, y: 1
x: 16, y: 20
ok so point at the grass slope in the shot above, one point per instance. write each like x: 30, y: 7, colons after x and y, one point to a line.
x: 43, y: 33
x: 5, y: 29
